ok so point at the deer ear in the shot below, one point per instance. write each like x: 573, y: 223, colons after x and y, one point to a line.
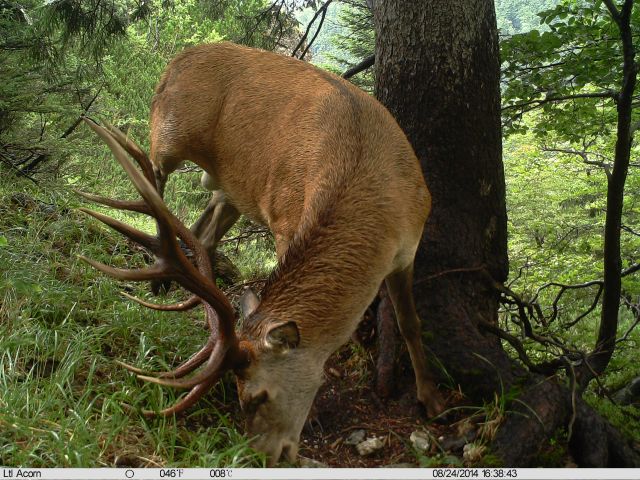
x: 249, y: 301
x: 283, y: 336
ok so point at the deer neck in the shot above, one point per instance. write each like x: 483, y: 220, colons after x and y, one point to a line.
x: 329, y: 275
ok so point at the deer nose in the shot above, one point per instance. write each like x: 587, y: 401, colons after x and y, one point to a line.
x: 289, y: 451
x: 273, y: 452
x: 277, y: 448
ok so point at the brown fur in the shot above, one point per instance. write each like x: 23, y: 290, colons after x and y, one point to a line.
x: 327, y: 168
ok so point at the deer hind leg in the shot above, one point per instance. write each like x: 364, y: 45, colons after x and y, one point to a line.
x: 399, y: 285
x: 216, y: 220
x: 218, y: 217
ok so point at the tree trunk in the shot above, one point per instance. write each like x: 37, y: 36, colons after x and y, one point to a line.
x: 605, y: 345
x: 438, y: 72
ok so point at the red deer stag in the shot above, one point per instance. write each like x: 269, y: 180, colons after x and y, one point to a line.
x: 328, y: 170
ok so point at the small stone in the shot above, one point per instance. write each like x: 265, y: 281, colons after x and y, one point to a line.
x: 453, y: 444
x: 472, y: 453
x: 311, y: 463
x: 356, y: 437
x: 465, y: 429
x: 336, y: 442
x: 420, y: 440
x: 369, y: 446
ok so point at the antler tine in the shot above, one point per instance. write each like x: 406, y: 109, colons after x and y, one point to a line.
x: 187, y: 275
x: 134, y: 150
x: 138, y: 274
x: 145, y: 187
x: 190, y: 303
x: 181, y: 370
x: 134, y: 234
x: 133, y: 205
x: 187, y: 401
x: 214, y: 366
x: 189, y: 365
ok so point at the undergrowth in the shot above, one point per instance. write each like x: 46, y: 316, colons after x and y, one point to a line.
x: 63, y: 400
x: 62, y: 397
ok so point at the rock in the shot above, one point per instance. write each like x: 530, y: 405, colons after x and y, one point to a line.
x: 311, y: 463
x: 369, y: 446
x: 630, y: 394
x: 452, y: 444
x: 472, y: 453
x: 356, y: 437
x: 420, y: 440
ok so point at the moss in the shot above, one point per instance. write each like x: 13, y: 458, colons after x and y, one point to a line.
x: 554, y: 454
x: 492, y: 460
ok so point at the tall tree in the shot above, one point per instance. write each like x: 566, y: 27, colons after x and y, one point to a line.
x: 437, y: 70
x: 439, y: 74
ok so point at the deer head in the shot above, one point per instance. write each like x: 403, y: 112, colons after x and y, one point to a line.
x: 276, y: 385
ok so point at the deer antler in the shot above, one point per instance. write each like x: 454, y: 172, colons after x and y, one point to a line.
x: 222, y: 350
x: 138, y: 206
x: 188, y: 304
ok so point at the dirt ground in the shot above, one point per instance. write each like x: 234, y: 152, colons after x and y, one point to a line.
x: 347, y: 402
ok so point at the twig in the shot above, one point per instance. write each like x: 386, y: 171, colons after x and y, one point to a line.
x: 606, y: 166
x: 561, y: 98
x: 258, y: 231
x: 7, y: 161
x: 517, y: 345
x: 86, y: 108
x: 321, y: 11
x: 593, y: 306
x: 450, y: 271
x: 628, y: 229
x: 636, y: 310
x: 363, y: 65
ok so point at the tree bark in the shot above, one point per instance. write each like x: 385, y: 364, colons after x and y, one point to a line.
x: 438, y: 72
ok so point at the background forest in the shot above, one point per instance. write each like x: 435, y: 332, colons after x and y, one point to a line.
x: 62, y: 324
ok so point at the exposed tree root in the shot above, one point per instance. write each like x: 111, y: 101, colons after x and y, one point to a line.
x: 545, y: 408
x: 541, y: 407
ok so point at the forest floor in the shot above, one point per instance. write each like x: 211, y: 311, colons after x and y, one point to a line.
x: 346, y: 404
x: 62, y: 325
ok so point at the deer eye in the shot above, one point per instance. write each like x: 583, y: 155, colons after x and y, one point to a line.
x: 252, y: 405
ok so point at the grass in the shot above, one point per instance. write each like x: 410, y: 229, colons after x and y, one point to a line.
x: 62, y: 326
